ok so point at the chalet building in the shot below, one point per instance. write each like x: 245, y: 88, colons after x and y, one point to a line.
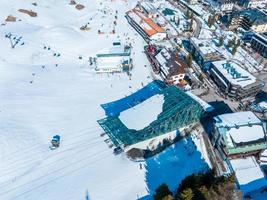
x: 145, y: 26
x: 168, y: 64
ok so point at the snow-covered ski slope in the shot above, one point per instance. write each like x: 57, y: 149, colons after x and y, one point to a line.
x: 42, y: 95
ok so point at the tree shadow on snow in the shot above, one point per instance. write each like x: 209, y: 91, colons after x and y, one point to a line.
x: 172, y: 166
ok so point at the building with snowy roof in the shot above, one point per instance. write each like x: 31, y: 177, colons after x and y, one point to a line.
x: 240, y: 133
x: 149, y: 117
x: 204, y: 52
x: 263, y: 105
x: 259, y: 43
x: 116, y: 59
x: 226, y: 5
x: 169, y: 64
x: 150, y: 10
x: 144, y: 25
x: 254, y: 19
x: 255, y: 3
x: 260, y: 107
x: 262, y: 160
x: 249, y: 174
x: 234, y: 81
x: 263, y: 157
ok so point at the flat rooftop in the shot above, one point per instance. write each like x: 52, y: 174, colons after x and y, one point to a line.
x: 113, y: 57
x: 240, y: 127
x: 204, y: 46
x: 206, y: 49
x: 117, y: 49
x: 148, y: 7
x: 248, y: 173
x: 153, y: 106
x: 234, y: 73
x: 263, y: 104
x: 111, y: 62
x: 237, y: 118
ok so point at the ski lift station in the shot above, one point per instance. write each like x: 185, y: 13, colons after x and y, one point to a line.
x: 150, y: 117
x: 116, y: 59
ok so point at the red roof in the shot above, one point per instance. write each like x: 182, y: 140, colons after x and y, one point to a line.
x: 147, y: 24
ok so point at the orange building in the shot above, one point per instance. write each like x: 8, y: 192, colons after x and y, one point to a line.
x: 145, y: 26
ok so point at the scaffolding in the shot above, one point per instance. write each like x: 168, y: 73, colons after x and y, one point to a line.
x: 179, y: 110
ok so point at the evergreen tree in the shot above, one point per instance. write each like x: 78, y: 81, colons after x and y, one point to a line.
x: 187, y: 194
x: 169, y: 197
x: 234, y: 40
x: 211, y: 20
x: 188, y: 14
x: 207, y: 187
x: 221, y: 41
x: 231, y: 42
x: 234, y: 50
x: 191, y: 24
x: 204, y: 191
x: 189, y: 60
x: 191, y: 15
x: 238, y: 42
x: 178, y: 21
x: 162, y: 192
x: 200, y: 77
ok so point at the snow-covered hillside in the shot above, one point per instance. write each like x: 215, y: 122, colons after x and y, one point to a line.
x: 42, y: 95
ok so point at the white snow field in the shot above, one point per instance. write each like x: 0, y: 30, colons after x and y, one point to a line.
x: 42, y: 95
x: 143, y: 114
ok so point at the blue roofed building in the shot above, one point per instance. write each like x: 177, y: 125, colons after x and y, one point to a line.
x: 150, y: 117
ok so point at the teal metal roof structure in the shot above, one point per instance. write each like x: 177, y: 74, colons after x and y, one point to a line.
x: 179, y: 110
x: 168, y: 11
